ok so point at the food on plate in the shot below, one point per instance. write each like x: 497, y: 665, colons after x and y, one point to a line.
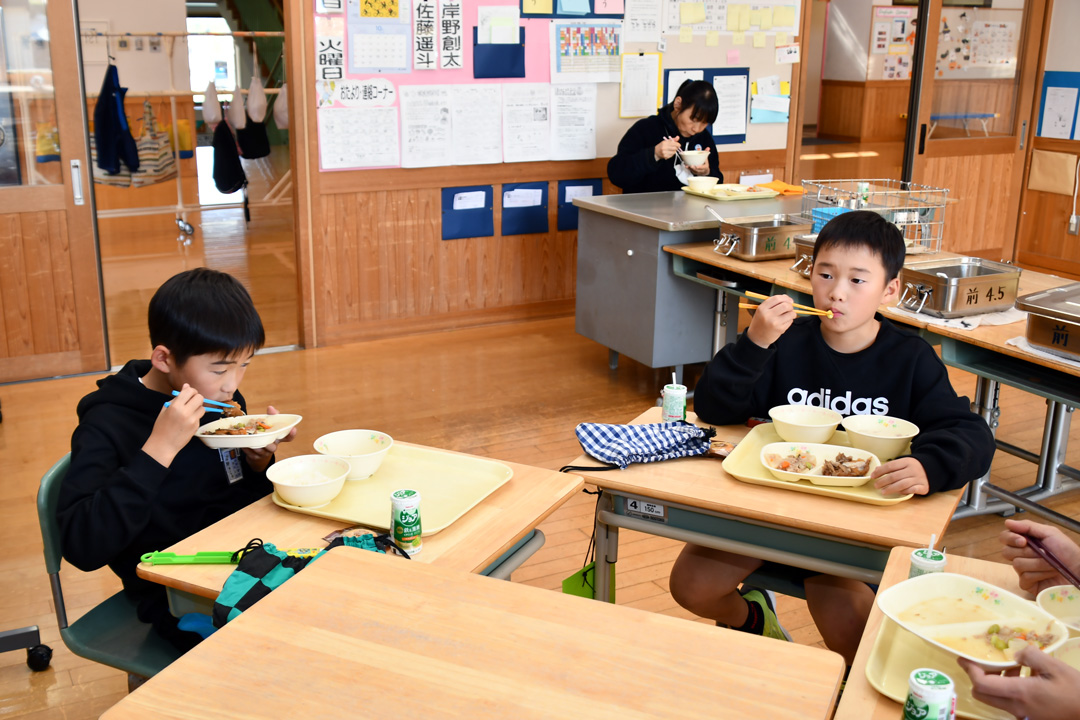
x: 846, y: 466
x: 999, y: 643
x: 253, y: 426
x: 802, y: 461
x: 234, y: 410
x: 943, y: 611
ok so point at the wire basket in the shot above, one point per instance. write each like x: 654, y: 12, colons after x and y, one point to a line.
x: 917, y: 210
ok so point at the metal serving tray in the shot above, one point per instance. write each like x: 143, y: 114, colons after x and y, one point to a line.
x: 1053, y: 321
x: 958, y: 286
x: 760, y: 237
x: 804, y: 254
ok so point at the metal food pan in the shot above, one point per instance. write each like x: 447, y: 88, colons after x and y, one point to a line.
x: 957, y: 287
x: 760, y: 237
x: 1054, y: 320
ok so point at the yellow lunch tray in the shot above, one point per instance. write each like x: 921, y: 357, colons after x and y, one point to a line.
x: 762, y: 194
x: 897, y: 652
x: 449, y: 485
x: 744, y: 463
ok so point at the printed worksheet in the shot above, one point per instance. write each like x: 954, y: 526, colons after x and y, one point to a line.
x: 476, y: 124
x: 573, y: 122
x: 358, y: 138
x: 426, y: 134
x: 526, y: 122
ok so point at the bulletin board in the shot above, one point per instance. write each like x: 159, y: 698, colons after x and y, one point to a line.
x: 388, y: 72
x: 973, y: 43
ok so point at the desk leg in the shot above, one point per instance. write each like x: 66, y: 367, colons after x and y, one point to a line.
x: 607, y: 551
x: 612, y: 359
x: 986, y: 405
x: 1055, y: 441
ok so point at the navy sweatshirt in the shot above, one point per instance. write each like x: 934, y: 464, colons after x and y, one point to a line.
x: 898, y: 375
x: 635, y: 168
x: 117, y: 503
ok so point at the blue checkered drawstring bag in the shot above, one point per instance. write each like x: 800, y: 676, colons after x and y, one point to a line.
x: 621, y: 445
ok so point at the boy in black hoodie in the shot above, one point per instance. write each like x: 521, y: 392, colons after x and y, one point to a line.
x: 139, y: 480
x: 855, y: 362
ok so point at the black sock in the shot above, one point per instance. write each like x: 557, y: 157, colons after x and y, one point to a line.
x: 755, y: 619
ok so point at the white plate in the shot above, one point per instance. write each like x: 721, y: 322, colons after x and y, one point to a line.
x: 280, y: 425
x: 821, y: 453
x: 999, y: 607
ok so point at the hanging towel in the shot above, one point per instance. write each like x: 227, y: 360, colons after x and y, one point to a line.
x: 281, y: 108
x: 111, y: 132
x: 256, y: 100
x: 211, y: 108
x: 228, y: 172
x: 236, y: 115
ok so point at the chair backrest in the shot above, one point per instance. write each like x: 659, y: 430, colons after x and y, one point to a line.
x: 47, y: 500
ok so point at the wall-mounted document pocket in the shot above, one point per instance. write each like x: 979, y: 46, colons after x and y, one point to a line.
x: 467, y: 212
x: 499, y: 60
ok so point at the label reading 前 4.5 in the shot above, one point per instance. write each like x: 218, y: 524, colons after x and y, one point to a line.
x: 646, y: 509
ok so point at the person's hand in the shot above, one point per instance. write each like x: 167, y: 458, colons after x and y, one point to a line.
x: 1051, y: 693
x: 1035, y: 573
x: 900, y: 477
x: 175, y: 426
x: 772, y: 318
x: 666, y: 148
x: 703, y: 168
x: 258, y: 459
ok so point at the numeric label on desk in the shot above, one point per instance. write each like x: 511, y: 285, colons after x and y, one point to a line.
x: 646, y: 509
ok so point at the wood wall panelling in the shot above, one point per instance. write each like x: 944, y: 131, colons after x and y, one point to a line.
x: 976, y: 219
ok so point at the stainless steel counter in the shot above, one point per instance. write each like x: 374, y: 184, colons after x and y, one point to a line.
x: 678, y: 211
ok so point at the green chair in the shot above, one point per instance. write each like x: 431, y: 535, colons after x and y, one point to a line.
x: 111, y: 633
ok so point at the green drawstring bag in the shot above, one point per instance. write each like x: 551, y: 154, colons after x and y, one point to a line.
x: 263, y: 567
x: 583, y: 582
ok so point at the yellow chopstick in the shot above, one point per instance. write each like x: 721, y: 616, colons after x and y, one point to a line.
x: 808, y: 311
x: 811, y: 310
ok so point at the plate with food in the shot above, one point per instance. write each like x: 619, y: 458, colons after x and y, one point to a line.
x: 247, y: 431
x: 744, y: 464
x: 970, y: 618
x: 820, y: 464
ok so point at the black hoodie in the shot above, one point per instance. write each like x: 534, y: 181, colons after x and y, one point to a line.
x: 117, y: 503
x: 898, y: 375
x: 635, y: 168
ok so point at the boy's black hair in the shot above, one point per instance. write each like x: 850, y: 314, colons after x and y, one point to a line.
x: 863, y: 228
x: 204, y: 311
x: 699, y: 98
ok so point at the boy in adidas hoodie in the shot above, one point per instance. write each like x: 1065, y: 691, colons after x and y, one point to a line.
x: 855, y: 362
x: 139, y: 480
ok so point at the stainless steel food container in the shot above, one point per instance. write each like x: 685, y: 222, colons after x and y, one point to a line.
x: 1053, y: 321
x: 955, y: 287
x: 760, y: 237
x: 804, y: 254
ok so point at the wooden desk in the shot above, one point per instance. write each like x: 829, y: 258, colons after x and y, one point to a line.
x: 358, y: 634
x: 861, y: 701
x: 472, y: 544
x: 706, y: 506
x: 982, y: 352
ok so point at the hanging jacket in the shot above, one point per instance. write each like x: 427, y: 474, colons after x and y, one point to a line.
x: 112, y: 136
x: 229, y: 174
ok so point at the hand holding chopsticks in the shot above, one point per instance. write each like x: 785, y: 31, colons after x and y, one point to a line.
x: 799, y: 309
x: 1041, y: 555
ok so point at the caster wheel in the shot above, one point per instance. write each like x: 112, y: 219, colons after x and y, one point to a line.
x: 187, y: 227
x: 38, y: 657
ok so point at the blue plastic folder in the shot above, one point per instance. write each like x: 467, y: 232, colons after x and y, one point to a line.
x: 467, y: 222
x: 499, y: 60
x: 568, y: 212
x: 574, y: 7
x: 525, y: 220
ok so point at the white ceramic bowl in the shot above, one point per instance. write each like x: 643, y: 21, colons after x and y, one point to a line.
x: 821, y: 453
x: 364, y: 450
x: 308, y: 481
x: 280, y: 425
x: 1069, y: 653
x: 703, y: 183
x: 887, y: 437
x: 694, y: 158
x: 804, y: 423
x: 1063, y: 602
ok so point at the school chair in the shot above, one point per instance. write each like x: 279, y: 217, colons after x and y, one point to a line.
x: 111, y: 632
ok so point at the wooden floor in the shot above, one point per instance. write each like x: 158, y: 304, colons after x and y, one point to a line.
x: 512, y: 392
